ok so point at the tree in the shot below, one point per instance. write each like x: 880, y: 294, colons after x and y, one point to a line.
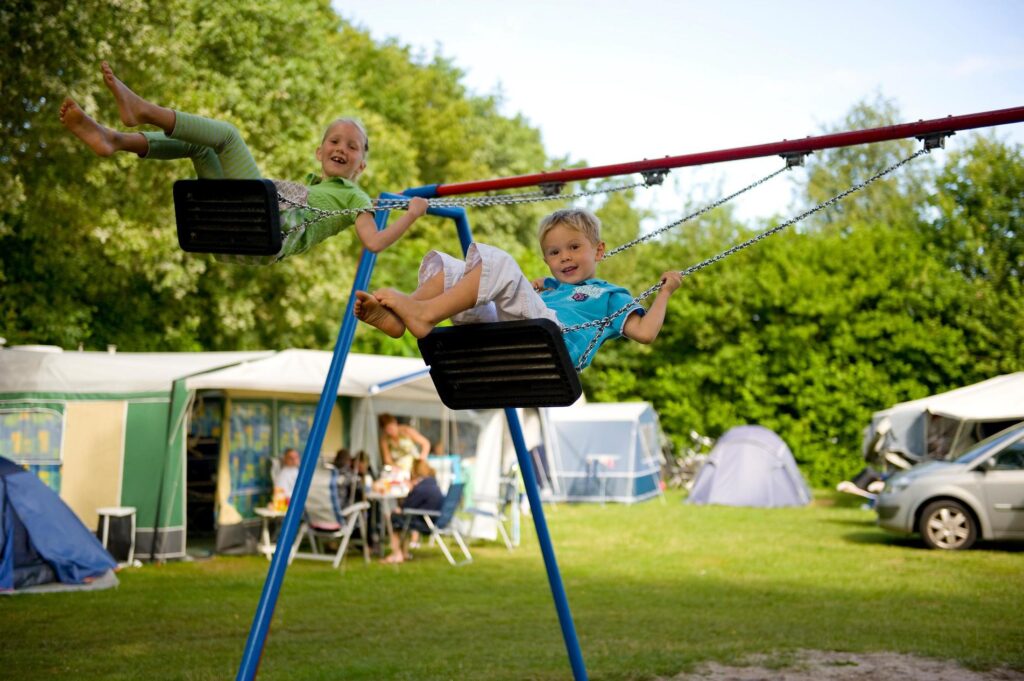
x: 811, y: 330
x: 87, y: 248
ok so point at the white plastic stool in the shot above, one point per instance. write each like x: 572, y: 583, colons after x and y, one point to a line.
x: 108, y: 512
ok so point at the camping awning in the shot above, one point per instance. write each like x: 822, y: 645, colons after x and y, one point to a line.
x: 997, y: 399
x: 34, y: 371
x: 598, y: 412
x: 304, y: 371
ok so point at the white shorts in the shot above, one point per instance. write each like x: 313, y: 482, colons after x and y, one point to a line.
x: 505, y: 293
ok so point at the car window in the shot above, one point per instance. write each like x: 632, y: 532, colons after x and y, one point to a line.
x: 991, y: 443
x: 1011, y: 458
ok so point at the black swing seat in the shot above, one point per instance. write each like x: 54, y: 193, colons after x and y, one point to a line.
x: 502, y: 364
x: 227, y: 216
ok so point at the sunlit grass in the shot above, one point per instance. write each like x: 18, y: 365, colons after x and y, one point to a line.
x: 654, y: 588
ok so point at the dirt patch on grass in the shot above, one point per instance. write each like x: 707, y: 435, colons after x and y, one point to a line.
x: 816, y: 665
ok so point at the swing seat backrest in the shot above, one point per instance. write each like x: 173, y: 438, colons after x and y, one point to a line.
x: 227, y: 216
x: 503, y: 364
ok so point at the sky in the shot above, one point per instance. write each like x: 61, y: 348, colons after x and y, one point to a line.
x: 612, y: 81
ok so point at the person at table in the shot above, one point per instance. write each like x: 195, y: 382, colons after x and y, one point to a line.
x: 350, y: 483
x: 284, y: 479
x: 425, y: 495
x: 400, y: 444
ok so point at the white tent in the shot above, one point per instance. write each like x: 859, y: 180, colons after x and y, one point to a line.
x: 603, y: 452
x: 112, y: 429
x: 397, y: 385
x: 943, y: 426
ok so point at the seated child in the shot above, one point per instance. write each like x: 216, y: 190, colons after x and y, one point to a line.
x: 217, y: 151
x: 425, y: 495
x: 489, y: 286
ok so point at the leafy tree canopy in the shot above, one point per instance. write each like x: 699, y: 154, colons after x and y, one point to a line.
x: 909, y: 287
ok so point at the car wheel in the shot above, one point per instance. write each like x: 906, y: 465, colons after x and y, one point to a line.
x: 947, y: 524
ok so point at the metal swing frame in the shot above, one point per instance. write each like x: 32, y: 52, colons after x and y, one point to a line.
x: 934, y: 129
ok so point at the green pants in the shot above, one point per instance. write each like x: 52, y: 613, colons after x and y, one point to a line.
x: 217, y: 151
x: 215, y: 148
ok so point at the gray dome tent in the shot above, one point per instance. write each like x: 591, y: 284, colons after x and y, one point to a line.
x: 750, y: 466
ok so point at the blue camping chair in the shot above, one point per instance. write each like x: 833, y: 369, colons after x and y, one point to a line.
x: 443, y: 523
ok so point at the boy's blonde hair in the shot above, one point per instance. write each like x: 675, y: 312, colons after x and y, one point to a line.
x: 354, y: 121
x: 580, y: 219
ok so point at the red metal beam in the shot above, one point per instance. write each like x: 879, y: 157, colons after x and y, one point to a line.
x: 842, y: 139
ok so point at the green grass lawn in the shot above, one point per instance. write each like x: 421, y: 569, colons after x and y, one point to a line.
x: 654, y: 589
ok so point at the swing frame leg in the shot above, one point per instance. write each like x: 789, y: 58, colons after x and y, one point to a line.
x: 254, y: 645
x: 572, y: 644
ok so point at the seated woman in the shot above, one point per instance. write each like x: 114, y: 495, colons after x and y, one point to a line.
x: 425, y: 495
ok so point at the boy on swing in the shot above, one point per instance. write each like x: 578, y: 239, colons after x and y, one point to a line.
x: 217, y: 151
x: 489, y: 286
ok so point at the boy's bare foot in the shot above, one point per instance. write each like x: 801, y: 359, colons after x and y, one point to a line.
x: 97, y: 137
x: 393, y: 559
x: 368, y: 309
x: 408, y: 309
x: 131, y: 107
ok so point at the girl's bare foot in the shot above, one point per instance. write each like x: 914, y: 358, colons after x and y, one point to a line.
x: 411, y: 311
x: 97, y: 137
x: 393, y: 559
x: 368, y: 309
x: 133, y: 109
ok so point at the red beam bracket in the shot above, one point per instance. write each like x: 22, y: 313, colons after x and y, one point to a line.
x: 936, y: 140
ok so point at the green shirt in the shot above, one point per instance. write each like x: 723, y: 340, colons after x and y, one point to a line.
x: 335, y: 193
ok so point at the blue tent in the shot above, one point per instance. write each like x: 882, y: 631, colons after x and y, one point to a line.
x: 43, y: 545
x: 750, y: 466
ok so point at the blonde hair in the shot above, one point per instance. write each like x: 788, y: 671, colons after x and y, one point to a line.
x: 422, y: 469
x: 579, y: 219
x: 358, y: 125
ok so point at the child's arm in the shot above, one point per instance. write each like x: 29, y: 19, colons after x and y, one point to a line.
x: 644, y: 328
x: 374, y: 241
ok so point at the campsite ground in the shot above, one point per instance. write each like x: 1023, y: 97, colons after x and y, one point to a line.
x: 659, y: 591
x: 816, y: 665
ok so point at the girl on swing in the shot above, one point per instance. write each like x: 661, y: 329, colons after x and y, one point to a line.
x: 217, y: 150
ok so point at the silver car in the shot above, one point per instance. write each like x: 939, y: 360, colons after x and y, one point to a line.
x: 952, y: 504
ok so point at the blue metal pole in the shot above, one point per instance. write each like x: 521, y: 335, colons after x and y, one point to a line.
x: 290, y: 526
x: 572, y: 644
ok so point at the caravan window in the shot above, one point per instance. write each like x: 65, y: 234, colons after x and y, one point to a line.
x: 461, y: 436
x: 206, y: 418
x: 294, y: 422
x: 251, y: 449
x: 34, y: 437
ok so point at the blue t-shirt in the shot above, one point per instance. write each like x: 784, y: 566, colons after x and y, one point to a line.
x: 584, y: 302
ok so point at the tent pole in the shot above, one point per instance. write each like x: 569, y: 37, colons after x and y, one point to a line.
x: 310, y: 458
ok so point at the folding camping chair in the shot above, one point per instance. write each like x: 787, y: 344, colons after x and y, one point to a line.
x: 501, y: 507
x: 326, y: 519
x: 444, y: 523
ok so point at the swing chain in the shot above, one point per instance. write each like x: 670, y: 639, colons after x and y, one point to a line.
x: 547, y: 193
x: 693, y: 215
x: 605, y: 321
